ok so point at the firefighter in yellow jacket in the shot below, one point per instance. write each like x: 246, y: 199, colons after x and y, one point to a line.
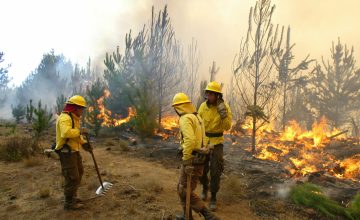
x: 69, y: 140
x: 217, y: 119
x: 193, y: 153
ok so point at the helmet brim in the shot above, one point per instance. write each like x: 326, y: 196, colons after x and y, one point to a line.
x: 210, y: 90
x: 71, y: 103
x: 179, y: 103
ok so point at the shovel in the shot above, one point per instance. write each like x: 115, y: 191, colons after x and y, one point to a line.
x: 104, y: 186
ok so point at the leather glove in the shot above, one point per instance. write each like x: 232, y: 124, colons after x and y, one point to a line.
x: 221, y: 108
x: 179, y: 153
x: 84, y: 131
x: 87, y: 147
x: 210, y: 147
x: 203, y: 150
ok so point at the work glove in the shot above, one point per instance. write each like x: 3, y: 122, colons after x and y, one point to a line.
x: 87, y: 147
x: 179, y: 153
x: 203, y: 150
x: 84, y: 131
x: 210, y: 146
x: 221, y: 108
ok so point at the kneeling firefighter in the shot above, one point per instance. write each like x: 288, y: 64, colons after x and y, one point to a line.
x: 68, y: 142
x: 193, y: 156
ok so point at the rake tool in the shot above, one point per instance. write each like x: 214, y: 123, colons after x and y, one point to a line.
x: 104, y: 186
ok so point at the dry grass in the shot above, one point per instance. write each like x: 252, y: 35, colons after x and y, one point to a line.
x: 44, y: 193
x: 131, y: 209
x: 110, y: 143
x: 150, y: 184
x: 12, y: 207
x: 124, y: 146
x: 15, y: 148
x: 33, y: 161
x: 93, y: 185
x: 121, y: 145
x: 7, y: 128
x: 232, y: 189
x: 134, y: 174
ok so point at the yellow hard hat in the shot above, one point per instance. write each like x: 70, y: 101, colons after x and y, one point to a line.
x: 180, y: 98
x: 213, y: 87
x: 77, y: 100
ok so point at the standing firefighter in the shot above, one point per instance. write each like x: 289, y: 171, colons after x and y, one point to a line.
x: 217, y: 119
x: 193, y: 156
x: 68, y: 142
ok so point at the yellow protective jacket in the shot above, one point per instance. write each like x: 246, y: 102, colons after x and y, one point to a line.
x: 213, y: 123
x: 65, y: 131
x: 192, y: 130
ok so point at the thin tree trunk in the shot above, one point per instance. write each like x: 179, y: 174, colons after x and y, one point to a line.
x: 284, y: 108
x: 257, y: 72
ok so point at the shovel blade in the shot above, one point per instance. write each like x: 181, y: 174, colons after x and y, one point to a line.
x: 101, y: 190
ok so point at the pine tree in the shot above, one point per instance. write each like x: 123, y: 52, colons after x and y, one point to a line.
x: 253, y: 66
x: 18, y: 112
x: 4, y: 80
x: 289, y: 77
x: 93, y: 95
x: 81, y: 78
x: 42, y: 119
x: 29, y: 112
x: 50, y: 76
x: 60, y: 104
x: 335, y: 85
x: 146, y: 75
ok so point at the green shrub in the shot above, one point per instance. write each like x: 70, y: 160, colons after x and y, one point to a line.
x: 312, y: 196
x: 354, y: 208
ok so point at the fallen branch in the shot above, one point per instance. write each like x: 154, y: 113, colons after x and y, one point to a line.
x: 338, y: 134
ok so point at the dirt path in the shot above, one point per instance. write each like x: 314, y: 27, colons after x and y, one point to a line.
x: 142, y: 190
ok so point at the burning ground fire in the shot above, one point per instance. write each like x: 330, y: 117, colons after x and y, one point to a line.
x: 303, y: 152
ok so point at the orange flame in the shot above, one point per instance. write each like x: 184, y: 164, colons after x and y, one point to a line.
x: 307, y: 147
x: 170, y: 122
x: 351, y: 167
x: 105, y: 114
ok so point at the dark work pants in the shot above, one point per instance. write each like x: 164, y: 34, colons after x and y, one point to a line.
x: 215, y: 165
x: 72, y: 170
